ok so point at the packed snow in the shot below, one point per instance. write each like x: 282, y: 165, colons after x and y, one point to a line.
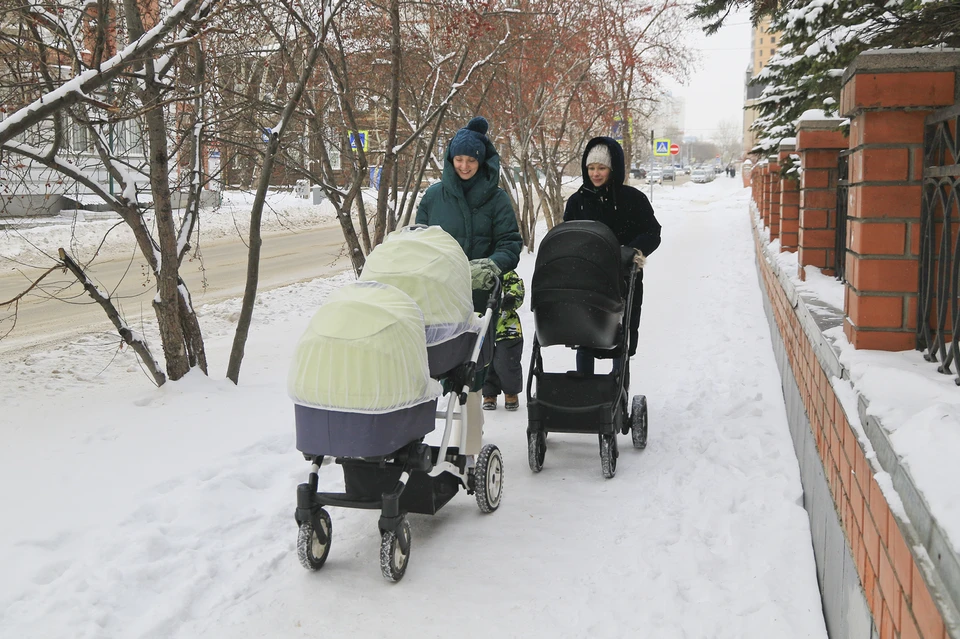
x: 134, y: 511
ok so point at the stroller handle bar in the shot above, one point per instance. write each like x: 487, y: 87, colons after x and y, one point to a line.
x: 493, y: 300
x: 469, y: 370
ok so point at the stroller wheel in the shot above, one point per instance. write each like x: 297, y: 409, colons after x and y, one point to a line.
x: 310, y: 550
x: 488, y: 478
x: 393, y: 557
x: 638, y: 421
x: 536, y: 450
x: 608, y: 455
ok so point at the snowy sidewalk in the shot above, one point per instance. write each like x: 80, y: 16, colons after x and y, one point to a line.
x: 135, y: 512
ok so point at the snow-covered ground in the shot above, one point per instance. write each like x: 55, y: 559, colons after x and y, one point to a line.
x: 131, y: 511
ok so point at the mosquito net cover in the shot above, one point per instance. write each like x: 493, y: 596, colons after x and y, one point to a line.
x: 427, y: 264
x: 364, y: 351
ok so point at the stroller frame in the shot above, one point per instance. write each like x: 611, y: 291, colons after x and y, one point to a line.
x: 574, y: 402
x: 416, y: 478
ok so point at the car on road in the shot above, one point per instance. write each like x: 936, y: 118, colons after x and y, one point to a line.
x: 669, y: 173
x: 701, y: 175
x: 638, y: 172
x: 655, y: 176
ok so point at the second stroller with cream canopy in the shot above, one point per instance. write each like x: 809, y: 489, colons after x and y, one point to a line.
x: 366, y: 381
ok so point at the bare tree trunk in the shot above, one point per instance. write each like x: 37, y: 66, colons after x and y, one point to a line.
x: 256, y: 216
x: 167, y: 302
x: 390, y: 154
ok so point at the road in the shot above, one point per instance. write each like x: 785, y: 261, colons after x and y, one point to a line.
x: 60, y: 308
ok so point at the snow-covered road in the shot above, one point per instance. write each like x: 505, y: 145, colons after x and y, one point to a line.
x: 135, y: 512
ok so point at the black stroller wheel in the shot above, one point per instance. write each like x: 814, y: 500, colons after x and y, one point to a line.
x: 310, y: 550
x: 608, y: 455
x: 488, y: 478
x: 536, y: 450
x: 393, y: 557
x: 638, y: 421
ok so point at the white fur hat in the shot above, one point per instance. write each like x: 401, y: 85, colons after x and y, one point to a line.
x: 599, y: 154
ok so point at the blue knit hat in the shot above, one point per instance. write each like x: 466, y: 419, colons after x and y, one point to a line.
x: 471, y: 140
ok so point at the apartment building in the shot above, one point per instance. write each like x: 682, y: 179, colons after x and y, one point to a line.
x: 764, y: 43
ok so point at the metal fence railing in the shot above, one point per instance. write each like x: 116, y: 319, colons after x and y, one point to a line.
x: 843, y: 186
x: 938, y: 325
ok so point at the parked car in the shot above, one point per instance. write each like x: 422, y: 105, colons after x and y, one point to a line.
x: 638, y: 172
x: 703, y: 174
x: 655, y: 176
x: 669, y: 173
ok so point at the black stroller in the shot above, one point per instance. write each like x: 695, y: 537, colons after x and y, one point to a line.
x: 581, y: 297
x: 387, y: 465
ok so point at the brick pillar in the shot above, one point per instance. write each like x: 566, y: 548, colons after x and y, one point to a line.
x: 887, y: 95
x: 765, y: 194
x: 773, y: 198
x: 789, y: 199
x: 746, y: 170
x: 757, y: 186
x: 819, y: 143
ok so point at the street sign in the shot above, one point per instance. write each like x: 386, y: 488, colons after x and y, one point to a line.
x: 674, y: 149
x: 661, y: 147
x: 616, y: 131
x: 363, y: 140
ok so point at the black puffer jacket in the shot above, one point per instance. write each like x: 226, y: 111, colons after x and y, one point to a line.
x: 623, y: 208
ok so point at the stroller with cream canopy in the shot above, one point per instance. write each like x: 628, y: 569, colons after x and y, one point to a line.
x: 366, y: 380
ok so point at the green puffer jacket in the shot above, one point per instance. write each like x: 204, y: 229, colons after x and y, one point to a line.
x: 508, y: 326
x: 482, y: 221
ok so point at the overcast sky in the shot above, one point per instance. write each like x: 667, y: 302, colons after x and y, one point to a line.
x: 714, y: 91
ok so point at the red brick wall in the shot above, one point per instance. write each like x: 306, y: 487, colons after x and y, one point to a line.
x: 893, y: 586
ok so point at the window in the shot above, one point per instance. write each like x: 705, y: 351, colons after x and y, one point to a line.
x: 80, y: 139
x: 773, y: 39
x: 772, y: 51
x: 761, y: 40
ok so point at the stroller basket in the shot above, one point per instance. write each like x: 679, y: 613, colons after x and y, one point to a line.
x: 572, y: 403
x: 578, y: 287
x: 423, y: 495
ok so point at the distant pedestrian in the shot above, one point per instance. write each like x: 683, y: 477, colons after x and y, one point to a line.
x: 505, y: 373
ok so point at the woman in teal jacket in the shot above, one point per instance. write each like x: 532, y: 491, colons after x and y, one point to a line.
x: 469, y: 204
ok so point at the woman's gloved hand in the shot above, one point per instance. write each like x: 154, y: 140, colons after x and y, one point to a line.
x: 639, y: 259
x: 483, y: 274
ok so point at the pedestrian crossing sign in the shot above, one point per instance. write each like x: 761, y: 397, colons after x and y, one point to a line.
x: 661, y: 147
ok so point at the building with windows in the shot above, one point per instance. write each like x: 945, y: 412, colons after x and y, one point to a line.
x: 764, y: 43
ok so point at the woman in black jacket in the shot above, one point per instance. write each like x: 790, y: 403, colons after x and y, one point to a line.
x: 605, y: 198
